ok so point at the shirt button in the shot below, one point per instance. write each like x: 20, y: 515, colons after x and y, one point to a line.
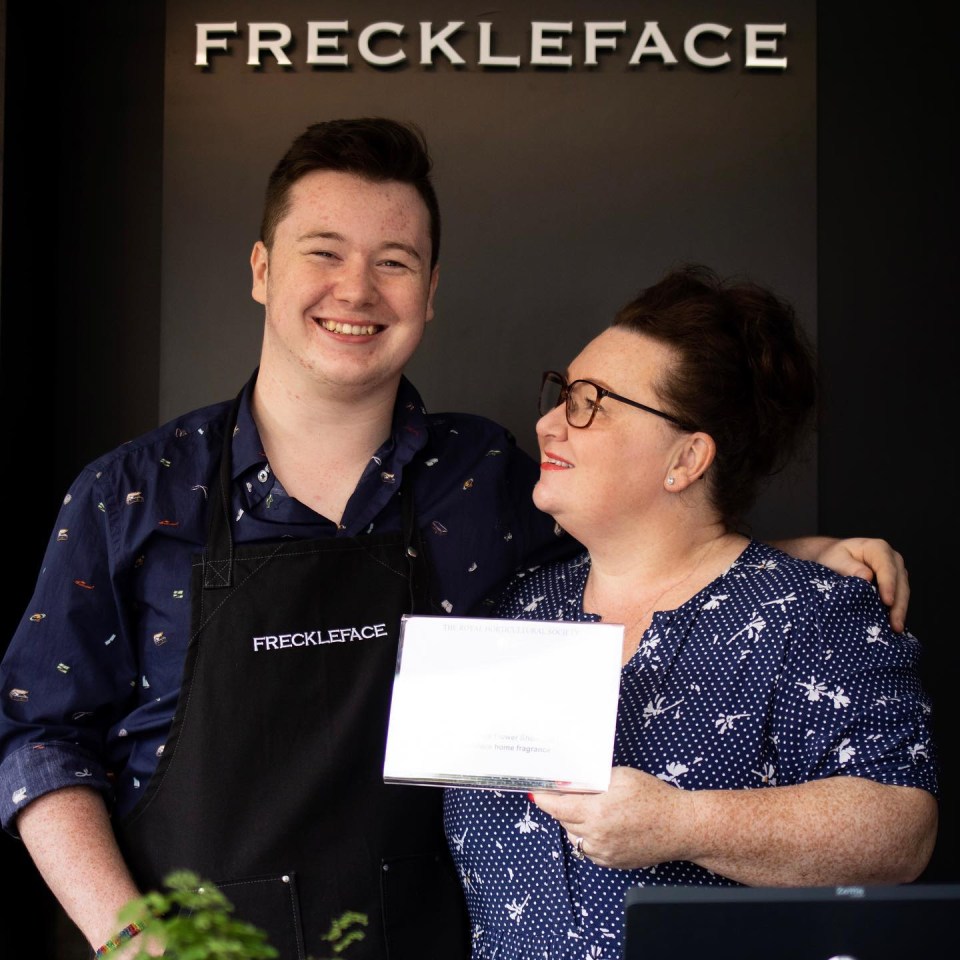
x: 262, y: 476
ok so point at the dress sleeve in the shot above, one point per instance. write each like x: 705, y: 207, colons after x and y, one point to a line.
x: 68, y: 673
x: 849, y: 700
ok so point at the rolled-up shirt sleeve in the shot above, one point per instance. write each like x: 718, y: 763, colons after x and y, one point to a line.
x: 69, y: 672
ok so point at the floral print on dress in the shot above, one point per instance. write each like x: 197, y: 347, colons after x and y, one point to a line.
x: 777, y: 672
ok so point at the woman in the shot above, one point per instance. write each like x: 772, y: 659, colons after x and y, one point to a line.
x: 771, y: 727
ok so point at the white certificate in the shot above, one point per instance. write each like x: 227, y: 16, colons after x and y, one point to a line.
x: 504, y: 704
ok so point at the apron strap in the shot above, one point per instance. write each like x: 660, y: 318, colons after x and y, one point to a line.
x: 218, y: 553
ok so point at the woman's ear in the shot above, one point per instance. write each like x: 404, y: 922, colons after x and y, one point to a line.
x: 692, y: 458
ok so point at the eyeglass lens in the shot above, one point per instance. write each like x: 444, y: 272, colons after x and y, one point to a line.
x: 581, y: 400
x: 550, y: 392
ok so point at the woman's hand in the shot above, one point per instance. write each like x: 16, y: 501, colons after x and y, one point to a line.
x: 638, y: 822
x: 839, y: 830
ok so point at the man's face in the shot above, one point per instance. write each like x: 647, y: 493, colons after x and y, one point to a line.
x: 347, y: 283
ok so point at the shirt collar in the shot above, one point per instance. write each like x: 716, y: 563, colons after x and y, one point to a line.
x: 382, y: 478
x: 247, y: 446
x: 409, y: 433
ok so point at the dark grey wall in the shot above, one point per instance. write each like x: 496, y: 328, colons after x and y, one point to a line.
x: 563, y: 191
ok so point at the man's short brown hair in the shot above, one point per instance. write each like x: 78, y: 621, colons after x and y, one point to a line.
x: 375, y: 148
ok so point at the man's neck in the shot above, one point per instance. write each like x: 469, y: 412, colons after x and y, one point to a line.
x: 318, y: 440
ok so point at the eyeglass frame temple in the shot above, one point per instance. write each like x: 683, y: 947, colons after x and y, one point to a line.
x: 601, y: 393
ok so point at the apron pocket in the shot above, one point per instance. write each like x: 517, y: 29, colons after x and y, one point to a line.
x: 418, y: 888
x: 271, y: 904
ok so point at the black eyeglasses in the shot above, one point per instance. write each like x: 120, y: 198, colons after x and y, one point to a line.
x: 582, y: 399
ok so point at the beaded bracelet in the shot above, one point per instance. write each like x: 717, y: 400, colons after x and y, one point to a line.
x: 127, y: 933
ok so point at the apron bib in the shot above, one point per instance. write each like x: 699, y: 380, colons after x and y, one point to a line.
x: 271, y: 781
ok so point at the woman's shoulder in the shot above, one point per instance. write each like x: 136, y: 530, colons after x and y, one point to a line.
x: 811, y: 597
x: 768, y: 569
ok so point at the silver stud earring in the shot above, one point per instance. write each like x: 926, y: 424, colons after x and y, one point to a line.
x: 670, y: 481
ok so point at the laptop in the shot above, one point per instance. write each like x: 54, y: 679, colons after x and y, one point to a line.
x: 907, y: 922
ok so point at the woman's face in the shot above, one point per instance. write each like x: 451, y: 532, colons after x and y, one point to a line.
x: 594, y: 481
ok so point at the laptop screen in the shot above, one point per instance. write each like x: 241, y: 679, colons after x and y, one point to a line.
x: 792, y: 923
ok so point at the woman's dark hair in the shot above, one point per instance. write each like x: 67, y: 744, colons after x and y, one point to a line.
x: 744, y: 374
x: 375, y: 148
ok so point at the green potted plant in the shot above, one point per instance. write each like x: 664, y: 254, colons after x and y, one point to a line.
x: 194, y: 920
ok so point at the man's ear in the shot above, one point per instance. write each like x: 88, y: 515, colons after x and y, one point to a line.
x: 260, y: 268
x: 692, y: 459
x: 434, y: 280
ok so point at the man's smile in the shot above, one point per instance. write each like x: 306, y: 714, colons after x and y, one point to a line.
x: 351, y: 329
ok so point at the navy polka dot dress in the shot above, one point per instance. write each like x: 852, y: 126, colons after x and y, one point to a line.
x: 778, y: 672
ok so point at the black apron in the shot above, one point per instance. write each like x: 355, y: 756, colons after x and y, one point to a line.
x: 271, y: 781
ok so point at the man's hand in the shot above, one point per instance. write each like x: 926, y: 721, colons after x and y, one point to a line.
x: 866, y: 557
x: 876, y: 561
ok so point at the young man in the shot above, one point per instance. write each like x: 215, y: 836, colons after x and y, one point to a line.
x: 203, y: 675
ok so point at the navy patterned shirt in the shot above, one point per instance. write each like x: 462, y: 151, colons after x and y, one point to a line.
x: 89, y: 684
x: 778, y: 672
